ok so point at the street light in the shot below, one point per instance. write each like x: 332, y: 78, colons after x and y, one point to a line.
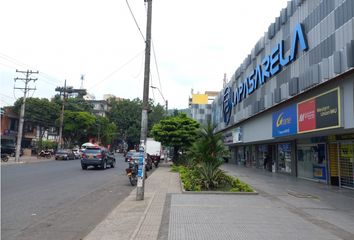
x: 153, y: 87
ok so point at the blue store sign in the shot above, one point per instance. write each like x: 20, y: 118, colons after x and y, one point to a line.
x: 270, y: 66
x: 285, y: 122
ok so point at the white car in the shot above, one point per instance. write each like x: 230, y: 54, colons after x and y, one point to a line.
x: 77, y: 153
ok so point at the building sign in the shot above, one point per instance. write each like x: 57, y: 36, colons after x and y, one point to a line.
x: 227, y: 137
x: 319, y: 172
x: 284, y: 122
x: 233, y: 136
x: 237, y: 135
x: 319, y: 113
x: 270, y: 66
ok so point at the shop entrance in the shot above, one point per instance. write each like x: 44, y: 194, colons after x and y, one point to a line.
x: 311, y: 162
x: 346, y: 166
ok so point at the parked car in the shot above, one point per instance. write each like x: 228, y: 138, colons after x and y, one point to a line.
x: 77, y: 153
x: 129, y: 154
x: 8, y: 147
x: 64, y: 154
x: 97, y: 157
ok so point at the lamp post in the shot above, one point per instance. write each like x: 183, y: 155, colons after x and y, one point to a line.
x: 166, y: 103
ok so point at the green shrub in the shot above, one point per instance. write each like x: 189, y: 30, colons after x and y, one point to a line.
x: 211, y: 175
x: 239, y: 186
x: 175, y: 168
x: 190, y: 179
x: 207, y: 176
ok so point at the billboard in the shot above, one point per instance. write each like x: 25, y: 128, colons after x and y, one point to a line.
x: 320, y: 112
x: 284, y: 122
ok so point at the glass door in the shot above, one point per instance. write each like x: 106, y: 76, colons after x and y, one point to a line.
x: 311, y: 162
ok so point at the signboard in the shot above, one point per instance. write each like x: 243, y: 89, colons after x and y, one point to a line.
x: 270, y: 66
x: 232, y: 136
x: 319, y: 113
x: 284, y: 122
x: 237, y: 135
x: 319, y: 172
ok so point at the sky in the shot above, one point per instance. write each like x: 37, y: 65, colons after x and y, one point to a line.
x: 194, y: 42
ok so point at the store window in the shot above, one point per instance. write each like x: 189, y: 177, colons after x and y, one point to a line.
x: 262, y: 151
x: 241, y: 156
x: 284, y: 157
x: 311, y: 162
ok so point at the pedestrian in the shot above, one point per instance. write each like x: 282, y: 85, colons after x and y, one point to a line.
x: 266, y: 161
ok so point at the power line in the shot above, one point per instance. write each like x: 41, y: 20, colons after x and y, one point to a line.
x: 157, y: 68
x: 22, y: 64
x: 115, y: 71
x: 136, y: 23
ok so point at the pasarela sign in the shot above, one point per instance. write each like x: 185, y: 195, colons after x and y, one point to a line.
x: 269, y: 67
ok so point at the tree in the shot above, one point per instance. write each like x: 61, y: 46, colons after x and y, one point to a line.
x: 206, y: 153
x: 74, y: 104
x: 78, y: 127
x: 126, y: 114
x: 40, y: 112
x: 208, y: 146
x: 105, y: 130
x: 156, y: 114
x: 178, y: 132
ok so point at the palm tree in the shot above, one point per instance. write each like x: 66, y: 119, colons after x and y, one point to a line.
x: 207, y: 154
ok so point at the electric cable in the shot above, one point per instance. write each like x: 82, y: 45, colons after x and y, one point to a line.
x: 115, y: 71
x: 136, y: 23
x: 157, y: 68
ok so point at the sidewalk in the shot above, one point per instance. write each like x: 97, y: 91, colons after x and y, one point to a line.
x: 134, y: 219
x: 285, y: 208
x: 25, y: 159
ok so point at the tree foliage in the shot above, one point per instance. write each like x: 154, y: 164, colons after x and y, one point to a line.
x: 105, y: 129
x: 206, y: 154
x: 178, y: 132
x: 208, y: 146
x: 39, y: 111
x: 126, y: 114
x: 78, y: 127
x: 74, y: 104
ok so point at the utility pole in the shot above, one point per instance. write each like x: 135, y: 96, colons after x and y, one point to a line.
x: 166, y: 107
x: 62, y: 117
x: 66, y: 91
x: 144, y: 113
x: 22, y: 113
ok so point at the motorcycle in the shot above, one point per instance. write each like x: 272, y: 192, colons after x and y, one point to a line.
x: 132, y: 171
x: 4, y: 157
x: 44, y: 154
x: 154, y: 159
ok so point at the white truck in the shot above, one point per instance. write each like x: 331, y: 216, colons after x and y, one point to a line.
x: 153, y: 149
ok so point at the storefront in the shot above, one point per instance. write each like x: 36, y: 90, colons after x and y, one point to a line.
x: 293, y: 96
x: 284, y: 158
x: 341, y: 160
x: 311, y: 161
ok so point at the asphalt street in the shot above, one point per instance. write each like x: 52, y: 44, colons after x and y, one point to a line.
x: 57, y: 199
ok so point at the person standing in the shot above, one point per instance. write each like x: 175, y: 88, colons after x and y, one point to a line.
x: 266, y: 161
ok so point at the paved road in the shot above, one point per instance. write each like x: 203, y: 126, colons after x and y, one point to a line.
x: 57, y: 199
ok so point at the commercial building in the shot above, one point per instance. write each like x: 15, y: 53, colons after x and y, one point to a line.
x: 200, y: 106
x: 292, y: 97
